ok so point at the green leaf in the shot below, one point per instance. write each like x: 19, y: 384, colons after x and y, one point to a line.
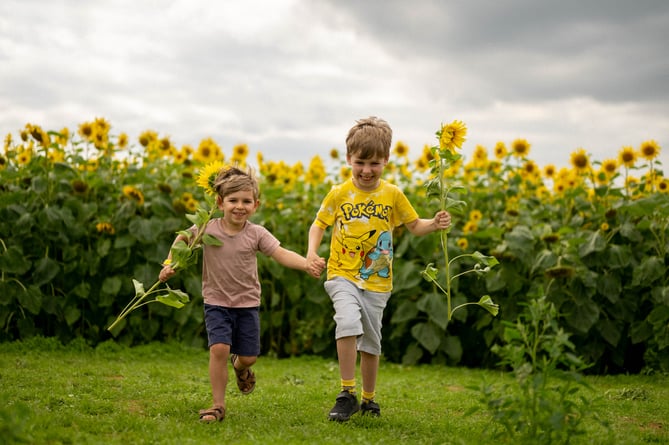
x: 12, y: 261
x: 486, y: 303
x: 651, y: 269
x: 430, y: 273
x: 46, y: 270
x: 435, y: 306
x: 583, y: 315
x: 490, y: 261
x: 453, y: 348
x: 139, y: 288
x: 594, y: 243
x: 174, y: 298
x: 428, y: 335
x: 211, y: 240
x: 407, y: 310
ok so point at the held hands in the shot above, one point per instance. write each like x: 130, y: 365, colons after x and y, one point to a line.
x: 315, y: 265
x: 442, y: 220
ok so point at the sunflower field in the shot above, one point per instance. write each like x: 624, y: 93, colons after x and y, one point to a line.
x: 85, y: 215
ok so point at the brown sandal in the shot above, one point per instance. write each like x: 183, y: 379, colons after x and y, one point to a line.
x: 217, y: 412
x: 245, y: 384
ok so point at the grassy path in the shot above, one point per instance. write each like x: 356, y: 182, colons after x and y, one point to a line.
x: 151, y: 395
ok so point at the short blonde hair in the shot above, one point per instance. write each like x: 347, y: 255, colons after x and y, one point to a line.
x: 369, y: 138
x: 232, y: 179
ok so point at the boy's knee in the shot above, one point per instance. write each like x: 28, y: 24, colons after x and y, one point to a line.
x: 245, y: 361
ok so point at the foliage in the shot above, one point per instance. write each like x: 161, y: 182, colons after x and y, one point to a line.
x: 182, y: 255
x: 82, y: 213
x: 545, y: 404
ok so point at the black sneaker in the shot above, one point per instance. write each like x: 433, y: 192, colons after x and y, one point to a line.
x: 345, y: 406
x: 372, y: 408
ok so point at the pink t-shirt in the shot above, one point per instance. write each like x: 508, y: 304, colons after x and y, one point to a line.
x: 230, y: 271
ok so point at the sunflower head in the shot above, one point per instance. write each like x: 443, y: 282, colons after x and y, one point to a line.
x: 452, y: 136
x: 520, y: 148
x: 580, y: 160
x: 627, y: 156
x: 649, y: 149
x: 207, y: 177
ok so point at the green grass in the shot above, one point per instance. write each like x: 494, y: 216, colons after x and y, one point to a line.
x: 151, y: 394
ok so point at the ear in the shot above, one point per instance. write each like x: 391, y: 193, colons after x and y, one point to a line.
x: 257, y: 204
x: 219, y: 202
x: 348, y: 159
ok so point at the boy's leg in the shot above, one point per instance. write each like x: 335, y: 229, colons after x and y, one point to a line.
x: 245, y: 347
x: 218, y: 376
x: 348, y: 356
x: 369, y: 368
x: 246, y: 378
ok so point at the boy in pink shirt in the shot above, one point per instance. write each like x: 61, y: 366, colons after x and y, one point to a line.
x: 230, y: 285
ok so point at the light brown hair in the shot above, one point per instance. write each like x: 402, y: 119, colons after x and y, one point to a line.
x: 369, y: 138
x: 232, y: 179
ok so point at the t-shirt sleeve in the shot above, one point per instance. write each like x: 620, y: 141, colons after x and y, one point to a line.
x: 267, y: 243
x: 405, y: 213
x: 326, y: 214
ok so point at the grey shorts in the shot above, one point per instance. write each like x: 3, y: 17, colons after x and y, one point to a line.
x: 358, y: 313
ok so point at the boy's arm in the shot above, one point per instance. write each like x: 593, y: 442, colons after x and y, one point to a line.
x: 293, y: 260
x: 167, y: 272
x: 315, y: 264
x: 420, y: 226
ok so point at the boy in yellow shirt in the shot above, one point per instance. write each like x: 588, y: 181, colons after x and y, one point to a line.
x: 363, y: 212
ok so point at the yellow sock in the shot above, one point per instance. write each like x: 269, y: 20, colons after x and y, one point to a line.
x: 348, y: 385
x: 368, y: 396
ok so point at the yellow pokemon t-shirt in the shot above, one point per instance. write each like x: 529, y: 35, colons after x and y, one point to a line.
x: 361, y: 248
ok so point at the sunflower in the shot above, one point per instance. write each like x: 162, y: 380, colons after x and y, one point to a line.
x: 24, y: 156
x: 580, y: 160
x: 475, y: 215
x: 452, y: 136
x: 316, y: 173
x: 480, y: 156
x: 207, y: 176
x: 549, y: 171
x: 520, y: 148
x: 208, y: 151
x: 649, y: 149
x: 122, y: 140
x: 500, y: 150
x: 147, y: 137
x: 105, y: 227
x: 134, y: 194
x: 470, y: 227
x: 462, y: 243
x: 610, y: 167
x: 401, y: 149
x: 239, y: 153
x: 627, y: 156
x: 663, y: 185
x: 86, y: 130
x: 8, y: 142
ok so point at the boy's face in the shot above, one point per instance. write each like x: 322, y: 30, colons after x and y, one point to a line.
x: 366, y: 173
x: 238, y: 207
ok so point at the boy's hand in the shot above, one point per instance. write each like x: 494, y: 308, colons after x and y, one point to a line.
x: 315, y: 265
x: 166, y: 273
x: 442, y: 220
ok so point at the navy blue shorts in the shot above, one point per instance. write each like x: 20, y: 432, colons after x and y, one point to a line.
x: 237, y: 327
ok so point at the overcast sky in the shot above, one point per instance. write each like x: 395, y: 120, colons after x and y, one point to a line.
x: 290, y: 77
